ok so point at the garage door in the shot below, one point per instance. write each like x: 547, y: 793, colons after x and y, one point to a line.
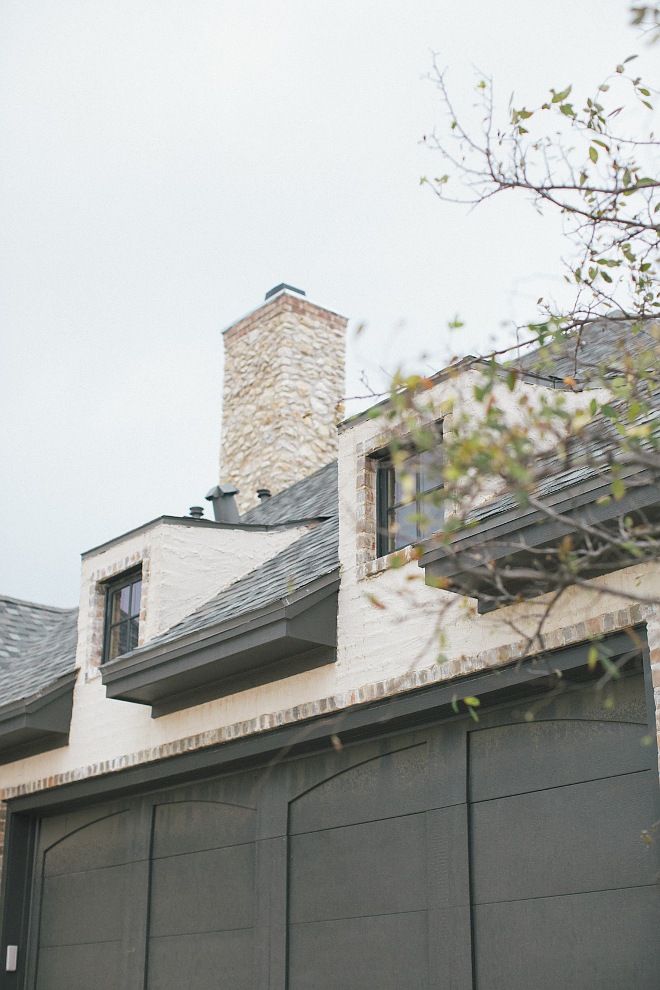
x: 504, y: 853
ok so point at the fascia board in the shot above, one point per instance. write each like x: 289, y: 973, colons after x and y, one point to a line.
x: 227, y: 628
x: 46, y: 715
x: 283, y: 631
x: 32, y: 704
x: 567, y: 501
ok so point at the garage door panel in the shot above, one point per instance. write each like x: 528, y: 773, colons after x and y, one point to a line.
x: 190, y: 826
x: 214, y: 961
x: 605, y: 941
x: 393, y: 784
x: 375, y: 868
x: 100, y: 843
x: 563, y: 840
x: 384, y: 953
x: 202, y: 892
x: 94, y: 966
x: 511, y: 759
x: 83, y: 907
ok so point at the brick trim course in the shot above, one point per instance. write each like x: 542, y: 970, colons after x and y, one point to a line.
x: 609, y: 622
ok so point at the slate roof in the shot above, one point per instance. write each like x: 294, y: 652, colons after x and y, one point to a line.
x: 307, y: 499
x: 37, y: 645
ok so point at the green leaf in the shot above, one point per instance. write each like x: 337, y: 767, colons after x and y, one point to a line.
x: 472, y: 701
x: 559, y: 97
x: 647, y: 182
x: 618, y: 489
x: 593, y: 407
x: 593, y: 154
x: 592, y: 657
x: 644, y: 92
x: 608, y: 411
x: 608, y: 278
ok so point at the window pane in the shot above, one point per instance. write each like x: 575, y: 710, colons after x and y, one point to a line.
x: 133, y: 630
x: 115, y: 607
x: 430, y: 519
x: 123, y: 638
x: 125, y: 594
x: 429, y: 470
x: 113, y: 643
x: 135, y: 598
x: 405, y: 526
x: 404, y: 483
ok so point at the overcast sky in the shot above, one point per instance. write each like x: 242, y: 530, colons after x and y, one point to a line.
x: 163, y: 163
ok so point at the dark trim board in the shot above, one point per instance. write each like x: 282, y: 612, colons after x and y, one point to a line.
x: 37, y: 723
x: 399, y: 713
x: 514, y: 535
x: 164, y: 675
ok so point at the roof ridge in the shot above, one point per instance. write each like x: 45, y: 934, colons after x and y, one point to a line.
x: 27, y: 604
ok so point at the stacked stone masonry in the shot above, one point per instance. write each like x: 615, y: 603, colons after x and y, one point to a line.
x: 283, y: 389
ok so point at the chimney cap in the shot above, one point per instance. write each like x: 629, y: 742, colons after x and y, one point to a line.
x: 281, y: 287
x: 196, y: 511
x: 220, y: 490
x: 263, y: 493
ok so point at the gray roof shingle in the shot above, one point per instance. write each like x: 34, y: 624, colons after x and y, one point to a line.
x: 37, y: 645
x: 306, y: 499
x: 599, y: 345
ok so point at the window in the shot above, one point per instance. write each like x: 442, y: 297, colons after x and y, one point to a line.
x: 122, y: 616
x: 406, y: 509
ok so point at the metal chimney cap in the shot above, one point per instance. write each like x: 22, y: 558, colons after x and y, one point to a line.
x: 281, y: 287
x: 263, y: 493
x: 196, y: 511
x: 219, y: 490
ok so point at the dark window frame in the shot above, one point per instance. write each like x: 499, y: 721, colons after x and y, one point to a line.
x: 129, y: 579
x: 386, y: 505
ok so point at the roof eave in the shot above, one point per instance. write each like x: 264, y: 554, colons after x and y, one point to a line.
x: 210, y: 659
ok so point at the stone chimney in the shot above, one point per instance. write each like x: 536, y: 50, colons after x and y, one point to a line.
x: 284, y: 381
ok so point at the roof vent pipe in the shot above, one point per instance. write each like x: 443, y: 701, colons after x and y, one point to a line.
x: 196, y: 511
x: 224, y: 507
x: 263, y: 494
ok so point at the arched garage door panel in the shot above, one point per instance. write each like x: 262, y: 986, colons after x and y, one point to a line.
x: 201, y: 914
x: 562, y: 884
x: 86, y: 883
x: 358, y: 887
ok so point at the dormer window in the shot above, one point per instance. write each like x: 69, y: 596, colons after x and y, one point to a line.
x: 122, y: 616
x: 406, y: 509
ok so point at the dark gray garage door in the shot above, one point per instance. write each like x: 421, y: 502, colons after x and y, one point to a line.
x: 504, y: 854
